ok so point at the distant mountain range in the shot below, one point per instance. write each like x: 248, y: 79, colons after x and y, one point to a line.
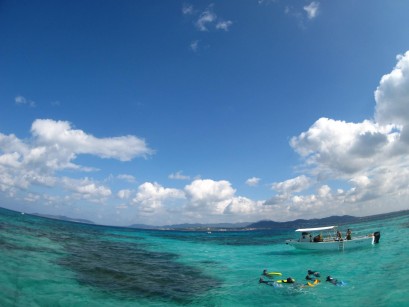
x: 63, y: 218
x: 268, y: 224
x: 265, y: 224
x: 193, y: 226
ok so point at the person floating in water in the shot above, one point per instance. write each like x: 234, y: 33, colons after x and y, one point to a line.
x: 289, y: 280
x: 335, y: 282
x: 315, y: 274
x: 262, y: 281
x: 270, y: 274
x: 265, y: 273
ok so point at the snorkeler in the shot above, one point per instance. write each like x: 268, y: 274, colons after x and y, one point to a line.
x: 316, y: 274
x: 271, y: 283
x: 262, y: 281
x: 289, y: 280
x: 313, y: 279
x: 335, y: 282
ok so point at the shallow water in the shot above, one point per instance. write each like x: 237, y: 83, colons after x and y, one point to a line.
x: 55, y: 263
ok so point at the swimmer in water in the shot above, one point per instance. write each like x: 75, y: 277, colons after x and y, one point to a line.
x: 335, y: 282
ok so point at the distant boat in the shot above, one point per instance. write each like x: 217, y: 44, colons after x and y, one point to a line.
x: 328, y: 238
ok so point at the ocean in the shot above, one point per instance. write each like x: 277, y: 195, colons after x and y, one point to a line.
x: 48, y: 262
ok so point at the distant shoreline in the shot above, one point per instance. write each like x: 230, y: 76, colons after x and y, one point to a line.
x: 260, y: 225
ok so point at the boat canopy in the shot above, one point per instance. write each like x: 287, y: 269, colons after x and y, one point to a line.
x: 316, y: 229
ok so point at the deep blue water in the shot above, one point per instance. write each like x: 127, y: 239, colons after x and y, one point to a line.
x: 55, y: 263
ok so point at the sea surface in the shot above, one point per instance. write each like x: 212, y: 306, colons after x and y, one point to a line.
x: 48, y: 262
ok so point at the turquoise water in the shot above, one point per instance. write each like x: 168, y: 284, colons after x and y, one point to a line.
x: 54, y: 263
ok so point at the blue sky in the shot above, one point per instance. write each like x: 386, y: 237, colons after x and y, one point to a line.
x: 162, y: 112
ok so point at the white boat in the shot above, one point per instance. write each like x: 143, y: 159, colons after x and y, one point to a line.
x: 328, y: 238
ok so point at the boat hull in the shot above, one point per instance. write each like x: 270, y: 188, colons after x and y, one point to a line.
x: 332, y: 245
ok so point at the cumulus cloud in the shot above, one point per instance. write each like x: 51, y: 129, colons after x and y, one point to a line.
x: 243, y: 205
x: 253, y: 181
x: 60, y: 133
x: 297, y: 184
x: 209, y: 190
x: 201, y: 201
x: 312, y: 9
x: 54, y: 146
x: 93, y: 189
x: 392, y: 94
x: 336, y: 148
x: 369, y: 157
x: 207, y: 197
x: 82, y: 189
x: 151, y: 197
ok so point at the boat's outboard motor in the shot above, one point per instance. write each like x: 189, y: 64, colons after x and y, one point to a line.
x: 376, y: 237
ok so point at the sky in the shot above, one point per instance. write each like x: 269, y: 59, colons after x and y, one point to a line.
x: 164, y: 112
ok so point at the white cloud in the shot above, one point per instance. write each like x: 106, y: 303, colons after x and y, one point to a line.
x: 178, y: 176
x: 85, y: 189
x: 312, y: 9
x: 253, y: 181
x: 335, y: 148
x: 124, y: 194
x: 10, y: 159
x: 60, y: 134
x: 289, y: 186
x: 224, y: 25
x: 361, y: 181
x: 206, y: 17
x: 152, y: 196
x: 30, y: 197
x: 206, y: 196
x: 202, y: 201
x: 392, y: 94
x: 127, y: 177
x: 324, y: 191
x: 187, y: 9
x: 20, y: 100
x: 203, y: 190
x: 194, y: 46
x: 93, y: 189
x: 372, y: 156
x: 243, y: 206
x: 54, y: 147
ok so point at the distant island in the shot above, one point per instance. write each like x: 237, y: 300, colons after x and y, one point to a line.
x: 246, y: 226
x: 63, y: 218
x: 268, y: 224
